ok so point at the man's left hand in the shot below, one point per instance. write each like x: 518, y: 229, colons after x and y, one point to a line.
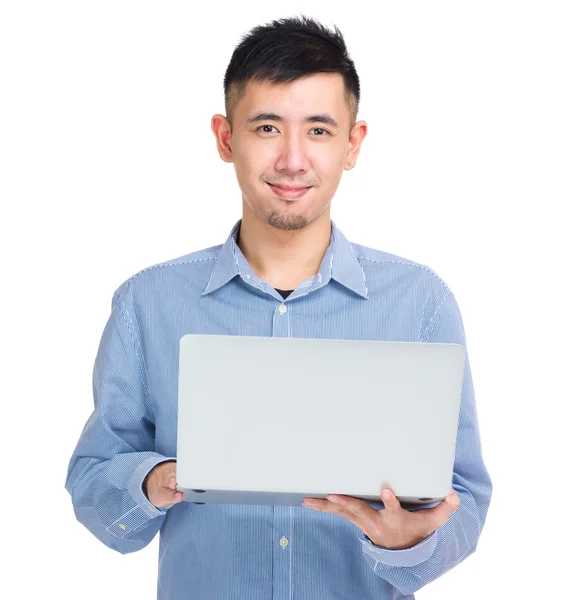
x: 392, y: 527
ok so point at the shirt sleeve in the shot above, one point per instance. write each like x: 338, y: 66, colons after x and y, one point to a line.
x: 115, y: 451
x: 411, y: 569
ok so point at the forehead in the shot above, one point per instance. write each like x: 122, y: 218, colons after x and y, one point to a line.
x: 319, y: 93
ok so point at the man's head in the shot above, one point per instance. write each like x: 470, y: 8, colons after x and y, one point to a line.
x: 291, y: 98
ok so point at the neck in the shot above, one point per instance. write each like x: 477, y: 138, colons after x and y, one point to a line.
x: 284, y: 258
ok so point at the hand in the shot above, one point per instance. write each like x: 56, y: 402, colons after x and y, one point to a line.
x: 161, y: 484
x: 391, y: 527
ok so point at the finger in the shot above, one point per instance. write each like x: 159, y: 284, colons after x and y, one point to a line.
x: 174, y: 495
x: 315, y: 503
x: 390, y: 500
x: 440, y: 514
x: 452, y: 500
x: 161, y: 496
x: 175, y: 499
x: 357, y: 511
x: 336, y: 509
x: 358, y: 507
x: 322, y: 505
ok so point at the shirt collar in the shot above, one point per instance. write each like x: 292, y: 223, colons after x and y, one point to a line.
x: 339, y: 263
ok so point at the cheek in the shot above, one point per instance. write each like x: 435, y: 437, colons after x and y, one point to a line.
x: 248, y: 176
x: 328, y: 166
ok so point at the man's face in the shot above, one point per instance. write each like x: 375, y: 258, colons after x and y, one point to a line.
x: 293, y: 151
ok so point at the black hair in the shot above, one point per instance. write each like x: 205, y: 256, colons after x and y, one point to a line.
x: 285, y: 50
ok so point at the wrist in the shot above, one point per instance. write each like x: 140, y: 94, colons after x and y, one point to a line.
x: 402, y: 543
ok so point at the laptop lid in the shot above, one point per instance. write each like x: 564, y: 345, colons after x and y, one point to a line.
x: 271, y: 420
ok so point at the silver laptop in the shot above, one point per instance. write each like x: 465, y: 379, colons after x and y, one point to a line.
x: 271, y: 420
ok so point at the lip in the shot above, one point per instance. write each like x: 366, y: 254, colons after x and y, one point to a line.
x: 287, y: 193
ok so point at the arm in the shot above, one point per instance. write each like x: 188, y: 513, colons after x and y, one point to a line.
x: 412, y: 568
x: 115, y: 451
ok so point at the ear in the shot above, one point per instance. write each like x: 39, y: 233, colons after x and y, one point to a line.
x: 357, y: 135
x: 222, y: 132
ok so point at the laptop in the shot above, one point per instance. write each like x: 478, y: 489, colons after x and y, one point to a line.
x: 272, y: 420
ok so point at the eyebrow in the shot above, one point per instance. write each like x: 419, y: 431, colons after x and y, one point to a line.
x: 271, y: 116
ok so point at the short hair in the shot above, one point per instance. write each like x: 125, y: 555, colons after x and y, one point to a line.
x: 286, y: 50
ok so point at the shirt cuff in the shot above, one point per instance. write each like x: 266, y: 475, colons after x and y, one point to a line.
x: 407, y: 557
x: 136, y: 485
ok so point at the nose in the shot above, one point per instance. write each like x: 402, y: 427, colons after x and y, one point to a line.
x: 293, y: 157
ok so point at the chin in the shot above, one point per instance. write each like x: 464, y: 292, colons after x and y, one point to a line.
x: 287, y: 222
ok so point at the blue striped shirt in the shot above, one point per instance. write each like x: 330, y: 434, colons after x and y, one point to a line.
x: 243, y: 552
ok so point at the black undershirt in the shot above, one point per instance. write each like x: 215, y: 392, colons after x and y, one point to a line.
x: 284, y: 293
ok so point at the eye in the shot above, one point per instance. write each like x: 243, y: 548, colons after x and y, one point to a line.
x: 320, y: 128
x: 265, y: 126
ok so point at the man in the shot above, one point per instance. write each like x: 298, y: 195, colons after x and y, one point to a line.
x: 292, y: 95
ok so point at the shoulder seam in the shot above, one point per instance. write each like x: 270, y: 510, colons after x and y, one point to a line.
x: 410, y: 264
x: 168, y: 264
x: 436, y: 316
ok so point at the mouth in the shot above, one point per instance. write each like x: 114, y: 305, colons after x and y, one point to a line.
x: 288, y: 193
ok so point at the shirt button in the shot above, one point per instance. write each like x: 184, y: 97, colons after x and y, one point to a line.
x: 282, y: 308
x: 283, y: 542
x: 122, y: 526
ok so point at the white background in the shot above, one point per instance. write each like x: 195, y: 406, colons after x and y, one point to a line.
x: 108, y: 165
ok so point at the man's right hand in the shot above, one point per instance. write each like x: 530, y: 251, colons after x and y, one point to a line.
x: 160, y: 485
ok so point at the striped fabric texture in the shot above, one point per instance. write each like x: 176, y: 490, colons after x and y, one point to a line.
x: 242, y: 552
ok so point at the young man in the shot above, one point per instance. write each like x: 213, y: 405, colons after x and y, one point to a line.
x: 292, y: 95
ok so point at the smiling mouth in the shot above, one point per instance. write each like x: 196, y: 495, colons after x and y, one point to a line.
x: 281, y: 187
x: 288, y: 194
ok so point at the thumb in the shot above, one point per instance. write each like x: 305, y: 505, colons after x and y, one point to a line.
x: 389, y: 499
x: 440, y: 514
x: 452, y: 500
